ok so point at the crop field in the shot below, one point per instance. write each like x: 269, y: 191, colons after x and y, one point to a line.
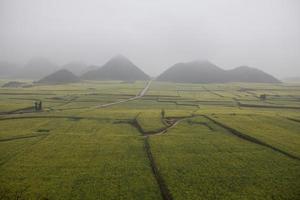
x: 109, y: 140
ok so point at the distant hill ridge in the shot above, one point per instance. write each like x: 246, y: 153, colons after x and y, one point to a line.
x: 121, y: 68
x: 60, y: 77
x: 207, y: 72
x: 117, y: 68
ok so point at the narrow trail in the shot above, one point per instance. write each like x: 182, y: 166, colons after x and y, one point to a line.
x: 160, y: 132
x: 251, y: 139
x: 141, y: 94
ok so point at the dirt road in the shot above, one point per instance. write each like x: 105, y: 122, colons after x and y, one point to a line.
x: 141, y: 94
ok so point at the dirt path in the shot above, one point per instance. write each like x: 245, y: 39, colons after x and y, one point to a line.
x: 141, y: 94
x: 166, y: 129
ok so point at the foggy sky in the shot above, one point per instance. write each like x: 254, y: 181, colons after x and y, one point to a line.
x: 155, y: 34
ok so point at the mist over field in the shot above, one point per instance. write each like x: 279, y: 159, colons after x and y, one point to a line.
x: 156, y: 34
x: 149, y: 99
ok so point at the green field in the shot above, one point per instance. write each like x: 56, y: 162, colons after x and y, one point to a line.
x: 178, y: 141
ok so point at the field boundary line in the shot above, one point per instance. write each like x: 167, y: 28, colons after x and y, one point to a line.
x: 53, y: 117
x: 165, y: 193
x: 22, y: 150
x: 293, y: 119
x: 160, y: 131
x: 22, y: 137
x: 250, y: 138
x: 267, y: 106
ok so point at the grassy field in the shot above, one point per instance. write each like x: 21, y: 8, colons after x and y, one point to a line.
x: 179, y: 141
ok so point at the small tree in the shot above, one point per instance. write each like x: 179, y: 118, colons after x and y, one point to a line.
x: 35, y: 106
x: 263, y: 97
x: 40, y: 105
x: 163, y: 113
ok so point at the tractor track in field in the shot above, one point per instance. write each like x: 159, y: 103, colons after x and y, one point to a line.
x: 251, y: 139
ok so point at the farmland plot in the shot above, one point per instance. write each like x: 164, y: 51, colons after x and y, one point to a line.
x: 76, y: 149
x: 84, y: 159
x: 210, y: 163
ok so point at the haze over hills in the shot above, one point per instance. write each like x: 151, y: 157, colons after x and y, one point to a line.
x: 295, y: 79
x: 121, y: 68
x: 249, y: 74
x: 8, y: 69
x: 194, y: 72
x: 78, y: 68
x: 207, y: 72
x: 60, y: 77
x: 37, y: 68
x: 117, y: 68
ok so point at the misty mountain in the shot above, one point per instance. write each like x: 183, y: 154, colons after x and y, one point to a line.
x: 194, y: 72
x: 117, y: 68
x: 8, y: 69
x: 207, y: 72
x: 37, y: 68
x: 249, y: 74
x: 60, y: 77
x: 91, y: 68
x: 78, y: 68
